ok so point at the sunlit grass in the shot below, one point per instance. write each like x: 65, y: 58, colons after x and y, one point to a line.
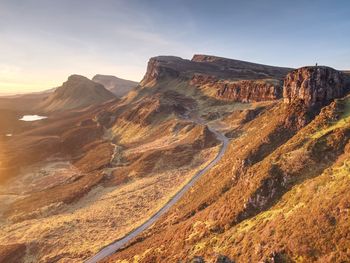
x: 343, y: 121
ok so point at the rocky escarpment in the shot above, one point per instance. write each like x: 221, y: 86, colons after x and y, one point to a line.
x: 161, y: 67
x: 242, y: 90
x: 220, y: 77
x: 313, y: 86
x: 239, y: 69
x: 306, y: 90
x: 228, y: 78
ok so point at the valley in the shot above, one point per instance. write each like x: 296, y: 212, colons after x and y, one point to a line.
x: 196, y: 164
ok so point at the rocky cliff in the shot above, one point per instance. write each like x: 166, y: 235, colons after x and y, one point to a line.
x: 238, y: 69
x: 226, y: 78
x: 242, y: 90
x: 314, y: 86
x: 161, y: 67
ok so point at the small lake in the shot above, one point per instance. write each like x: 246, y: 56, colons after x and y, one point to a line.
x: 32, y: 118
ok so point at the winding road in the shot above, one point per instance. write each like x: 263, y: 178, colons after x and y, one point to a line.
x: 112, y: 248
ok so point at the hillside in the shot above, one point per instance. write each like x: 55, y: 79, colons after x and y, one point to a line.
x: 119, y: 87
x: 76, y: 182
x: 221, y: 78
x: 76, y: 92
x: 125, y: 157
x: 279, y: 193
x: 21, y: 103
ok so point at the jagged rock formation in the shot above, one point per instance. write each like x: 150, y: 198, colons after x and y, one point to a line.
x: 223, y: 78
x: 161, y: 67
x: 243, y: 90
x: 118, y: 86
x: 314, y: 86
x: 77, y: 92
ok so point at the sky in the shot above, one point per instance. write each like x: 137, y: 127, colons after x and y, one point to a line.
x: 42, y: 42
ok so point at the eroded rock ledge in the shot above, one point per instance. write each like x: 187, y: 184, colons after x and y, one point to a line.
x: 314, y: 86
x: 226, y: 78
x: 241, y: 90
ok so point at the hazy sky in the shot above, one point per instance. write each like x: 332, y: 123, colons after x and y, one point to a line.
x: 42, y: 42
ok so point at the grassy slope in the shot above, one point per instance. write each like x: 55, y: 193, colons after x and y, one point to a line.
x: 311, y: 221
x: 71, y: 220
x: 282, y: 211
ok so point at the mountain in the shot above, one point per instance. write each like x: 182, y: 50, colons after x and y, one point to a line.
x: 222, y: 78
x: 76, y: 92
x: 119, y: 87
x: 219, y: 67
x: 251, y: 161
x: 279, y: 194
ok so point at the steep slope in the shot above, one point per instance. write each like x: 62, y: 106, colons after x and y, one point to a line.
x: 76, y: 92
x: 278, y: 195
x: 119, y: 87
x: 220, y: 78
x: 63, y: 178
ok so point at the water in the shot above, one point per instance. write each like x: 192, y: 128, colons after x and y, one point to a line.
x: 32, y: 118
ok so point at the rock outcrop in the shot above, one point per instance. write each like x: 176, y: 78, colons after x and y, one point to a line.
x: 313, y: 86
x: 229, y: 79
x: 163, y: 67
x: 242, y: 90
x: 238, y: 69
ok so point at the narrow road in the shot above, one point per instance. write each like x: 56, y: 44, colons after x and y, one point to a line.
x: 112, y: 248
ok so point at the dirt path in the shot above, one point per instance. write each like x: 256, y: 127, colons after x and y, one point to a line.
x: 112, y: 248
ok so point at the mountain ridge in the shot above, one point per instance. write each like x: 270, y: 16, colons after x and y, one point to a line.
x: 127, y: 157
x: 118, y: 86
x: 77, y: 92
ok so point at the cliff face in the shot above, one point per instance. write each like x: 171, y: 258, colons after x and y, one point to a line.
x: 227, y: 78
x: 314, y: 86
x: 161, y: 67
x: 243, y: 90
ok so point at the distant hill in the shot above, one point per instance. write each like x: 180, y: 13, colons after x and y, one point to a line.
x: 77, y: 92
x: 119, y: 87
x: 22, y: 102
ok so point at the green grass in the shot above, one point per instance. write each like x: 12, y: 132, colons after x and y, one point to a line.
x: 343, y: 121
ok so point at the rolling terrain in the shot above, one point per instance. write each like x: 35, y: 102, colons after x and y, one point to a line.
x: 279, y: 193
x: 95, y: 172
